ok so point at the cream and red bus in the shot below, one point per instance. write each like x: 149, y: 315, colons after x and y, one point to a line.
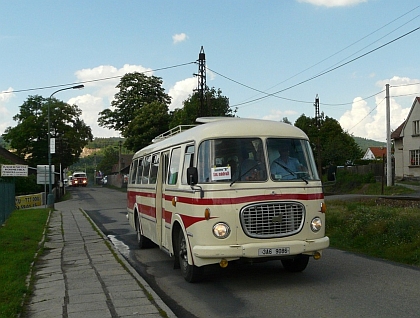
x: 229, y: 189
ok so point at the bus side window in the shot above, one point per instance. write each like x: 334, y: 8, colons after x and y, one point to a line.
x: 133, y: 171
x: 188, y: 162
x: 174, y: 166
x: 154, y: 169
x: 146, y: 169
x: 165, y: 161
x: 139, y: 171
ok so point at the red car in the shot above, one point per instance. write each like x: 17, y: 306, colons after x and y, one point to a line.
x: 79, y: 179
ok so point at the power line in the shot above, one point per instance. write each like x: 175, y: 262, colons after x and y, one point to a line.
x: 328, y: 71
x: 91, y: 81
x: 289, y: 99
x: 368, y: 114
x: 376, y: 40
x: 357, y: 42
x: 405, y: 85
x: 257, y: 90
x: 415, y: 8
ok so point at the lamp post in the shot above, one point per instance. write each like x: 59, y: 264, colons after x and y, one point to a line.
x: 50, y: 198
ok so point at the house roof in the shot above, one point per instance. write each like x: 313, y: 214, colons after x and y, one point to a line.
x: 399, y: 132
x: 378, y: 152
x: 396, y: 134
x: 11, y: 157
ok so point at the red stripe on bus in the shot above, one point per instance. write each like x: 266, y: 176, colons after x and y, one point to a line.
x: 239, y: 200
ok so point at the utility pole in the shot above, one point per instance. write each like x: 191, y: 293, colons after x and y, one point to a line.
x: 201, y: 79
x: 119, y: 157
x: 318, y: 143
x: 388, y: 140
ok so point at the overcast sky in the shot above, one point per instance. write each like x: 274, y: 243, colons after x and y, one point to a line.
x: 270, y: 58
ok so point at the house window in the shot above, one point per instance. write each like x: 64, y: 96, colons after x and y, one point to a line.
x: 415, y: 157
x: 416, y: 127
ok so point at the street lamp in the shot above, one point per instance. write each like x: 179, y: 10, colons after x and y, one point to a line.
x: 50, y: 198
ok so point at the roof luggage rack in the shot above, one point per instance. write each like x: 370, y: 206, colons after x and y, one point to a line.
x: 173, y: 131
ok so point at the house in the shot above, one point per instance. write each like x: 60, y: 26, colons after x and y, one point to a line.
x: 119, y: 175
x: 11, y: 157
x: 375, y: 153
x: 407, y: 144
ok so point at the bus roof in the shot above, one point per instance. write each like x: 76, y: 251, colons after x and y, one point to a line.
x: 227, y: 127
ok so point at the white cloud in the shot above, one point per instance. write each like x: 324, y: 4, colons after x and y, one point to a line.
x: 180, y: 92
x: 91, y: 106
x: 106, y: 88
x: 369, y: 121
x: 178, y: 38
x: 5, y: 97
x: 99, y: 94
x: 333, y: 3
x: 278, y: 115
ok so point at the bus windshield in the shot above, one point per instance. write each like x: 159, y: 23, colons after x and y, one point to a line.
x: 291, y: 159
x: 231, y: 159
x: 244, y: 160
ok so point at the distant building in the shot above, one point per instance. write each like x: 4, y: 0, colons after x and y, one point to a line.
x: 375, y: 153
x: 407, y: 144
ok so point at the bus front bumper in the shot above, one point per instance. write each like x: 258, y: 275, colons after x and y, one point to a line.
x: 262, y: 249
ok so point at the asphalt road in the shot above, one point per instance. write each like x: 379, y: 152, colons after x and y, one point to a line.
x: 341, y: 284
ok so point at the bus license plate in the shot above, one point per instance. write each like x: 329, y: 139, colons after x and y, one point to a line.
x: 273, y: 251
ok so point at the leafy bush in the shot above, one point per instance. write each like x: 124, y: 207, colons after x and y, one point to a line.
x: 346, y: 182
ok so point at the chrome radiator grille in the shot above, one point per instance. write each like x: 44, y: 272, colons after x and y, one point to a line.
x: 274, y: 219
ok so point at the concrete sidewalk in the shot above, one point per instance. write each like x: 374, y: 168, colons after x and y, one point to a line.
x: 80, y: 275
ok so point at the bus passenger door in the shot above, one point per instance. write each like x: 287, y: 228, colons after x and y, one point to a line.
x: 170, y: 183
x: 160, y: 201
x: 154, y: 178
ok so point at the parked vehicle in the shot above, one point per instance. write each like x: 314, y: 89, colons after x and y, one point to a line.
x: 79, y: 179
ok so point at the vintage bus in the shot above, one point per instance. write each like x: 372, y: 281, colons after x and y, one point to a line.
x: 224, y: 191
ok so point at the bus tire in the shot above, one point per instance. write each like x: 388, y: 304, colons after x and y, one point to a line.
x: 142, y: 241
x: 191, y: 273
x: 296, y: 264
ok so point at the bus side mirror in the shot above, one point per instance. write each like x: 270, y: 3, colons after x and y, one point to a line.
x: 192, y: 176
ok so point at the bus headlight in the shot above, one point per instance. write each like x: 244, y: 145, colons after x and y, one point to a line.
x: 316, y: 224
x: 221, y: 230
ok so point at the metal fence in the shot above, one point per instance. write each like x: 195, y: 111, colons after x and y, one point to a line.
x: 7, y: 198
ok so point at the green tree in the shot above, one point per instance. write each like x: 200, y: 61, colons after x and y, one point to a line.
x: 215, y: 104
x: 286, y: 121
x: 135, y: 91
x: 109, y: 159
x: 2, y: 142
x: 337, y: 146
x: 29, y: 137
x: 149, y: 121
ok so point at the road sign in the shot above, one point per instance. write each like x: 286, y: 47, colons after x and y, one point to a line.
x: 42, y: 174
x: 52, y: 145
x: 14, y: 170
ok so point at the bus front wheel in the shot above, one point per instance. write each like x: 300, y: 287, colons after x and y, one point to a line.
x: 191, y: 273
x: 142, y: 241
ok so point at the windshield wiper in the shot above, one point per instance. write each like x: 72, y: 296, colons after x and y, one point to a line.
x: 291, y: 172
x: 243, y: 174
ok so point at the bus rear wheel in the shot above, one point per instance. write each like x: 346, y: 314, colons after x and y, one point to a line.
x: 296, y: 264
x: 191, y: 273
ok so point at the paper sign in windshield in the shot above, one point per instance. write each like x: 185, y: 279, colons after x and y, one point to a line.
x: 220, y: 173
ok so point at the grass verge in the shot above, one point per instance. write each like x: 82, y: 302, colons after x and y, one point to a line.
x: 19, y: 237
x: 383, y: 228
